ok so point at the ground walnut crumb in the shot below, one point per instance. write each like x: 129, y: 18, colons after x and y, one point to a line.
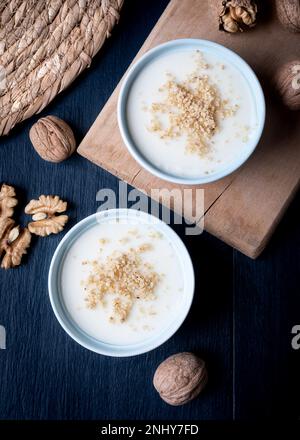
x: 193, y: 108
x: 124, y: 275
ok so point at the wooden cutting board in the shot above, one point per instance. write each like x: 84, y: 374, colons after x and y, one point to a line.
x: 244, y: 208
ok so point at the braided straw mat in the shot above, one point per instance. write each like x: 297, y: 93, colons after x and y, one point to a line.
x: 44, y: 46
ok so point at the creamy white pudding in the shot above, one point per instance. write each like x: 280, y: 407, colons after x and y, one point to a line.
x: 122, y: 283
x: 209, y: 87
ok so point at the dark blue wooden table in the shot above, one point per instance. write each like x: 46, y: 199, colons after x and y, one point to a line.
x: 240, y: 321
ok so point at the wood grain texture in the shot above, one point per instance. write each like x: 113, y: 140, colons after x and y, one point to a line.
x: 244, y: 208
x: 240, y: 321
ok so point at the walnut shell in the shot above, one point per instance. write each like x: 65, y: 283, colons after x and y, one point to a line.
x: 52, y: 139
x: 14, y: 242
x: 288, y: 12
x: 288, y: 84
x: 180, y: 378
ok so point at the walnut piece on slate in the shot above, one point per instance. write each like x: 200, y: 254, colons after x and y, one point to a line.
x: 43, y: 211
x: 180, y: 378
x: 7, y: 201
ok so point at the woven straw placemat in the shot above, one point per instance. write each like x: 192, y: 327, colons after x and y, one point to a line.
x: 44, y: 46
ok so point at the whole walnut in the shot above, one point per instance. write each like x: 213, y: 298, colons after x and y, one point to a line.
x: 52, y: 139
x: 287, y: 82
x: 288, y: 12
x: 180, y: 378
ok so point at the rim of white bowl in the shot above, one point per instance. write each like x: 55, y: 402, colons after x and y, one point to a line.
x: 254, y: 85
x: 69, y: 325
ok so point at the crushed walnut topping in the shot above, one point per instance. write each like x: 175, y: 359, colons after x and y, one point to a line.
x: 124, y: 240
x: 192, y: 108
x: 103, y: 241
x: 155, y: 234
x: 123, y: 274
x: 200, y: 61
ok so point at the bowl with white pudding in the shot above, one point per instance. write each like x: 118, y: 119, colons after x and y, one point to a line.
x: 121, y: 282
x: 191, y: 111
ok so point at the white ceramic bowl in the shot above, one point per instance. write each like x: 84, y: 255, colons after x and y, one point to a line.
x: 55, y: 287
x: 206, y: 47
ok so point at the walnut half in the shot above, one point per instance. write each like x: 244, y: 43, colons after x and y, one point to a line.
x: 14, y: 242
x: 43, y: 211
x: 180, y: 378
x: 237, y: 15
x: 7, y: 201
